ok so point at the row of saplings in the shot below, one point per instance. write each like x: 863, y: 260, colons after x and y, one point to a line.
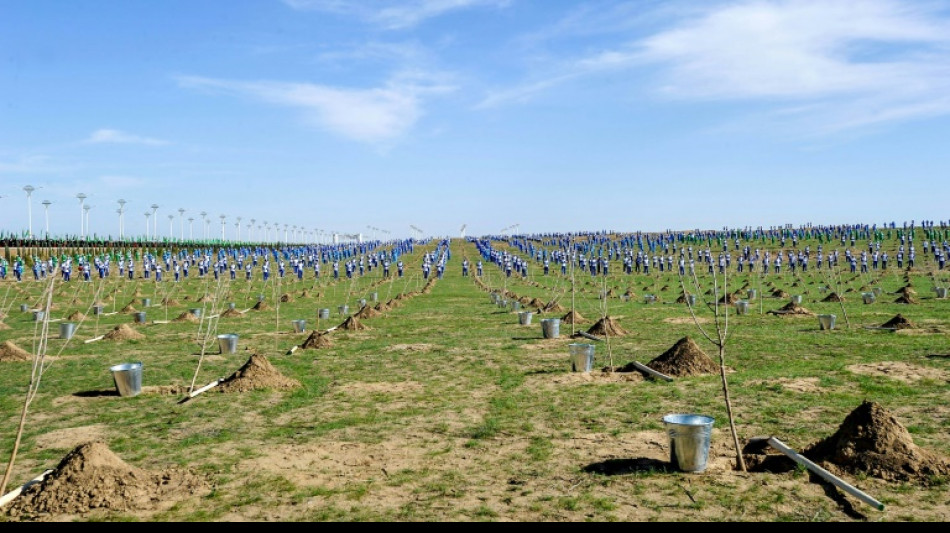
x: 870, y: 441
x: 93, y: 478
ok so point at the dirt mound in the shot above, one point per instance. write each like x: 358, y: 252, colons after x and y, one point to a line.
x: 909, y: 300
x: 833, y: 297
x: 10, y: 352
x: 305, y: 294
x: 682, y: 298
x: 170, y: 302
x: 779, y: 293
x: 257, y: 373
x: 536, y: 303
x: 524, y: 300
x: 204, y: 299
x: 187, y: 317
x: 394, y: 303
x: 261, y: 306
x: 729, y: 299
x: 792, y: 308
x: 232, y: 313
x: 129, y: 309
x: 92, y: 477
x: 573, y: 317
x: 4, y: 327
x: 871, y: 441
x: 353, y: 324
x: 899, y: 322
x: 553, y: 307
x: 685, y: 358
x: 286, y: 298
x: 123, y: 332
x: 907, y: 290
x: 382, y: 308
x: 316, y: 341
x: 607, y: 327
x: 76, y: 317
x: 368, y: 312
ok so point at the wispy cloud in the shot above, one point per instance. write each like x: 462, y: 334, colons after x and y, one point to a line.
x: 830, y: 65
x: 372, y: 116
x: 108, y: 136
x: 394, y: 17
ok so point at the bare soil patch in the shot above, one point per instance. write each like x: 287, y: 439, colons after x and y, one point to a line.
x: 904, y: 372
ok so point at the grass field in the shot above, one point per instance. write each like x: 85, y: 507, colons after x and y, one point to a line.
x: 447, y: 409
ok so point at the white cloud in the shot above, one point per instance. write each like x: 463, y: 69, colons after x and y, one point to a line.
x: 366, y: 115
x: 833, y: 64
x: 108, y: 136
x: 384, y: 13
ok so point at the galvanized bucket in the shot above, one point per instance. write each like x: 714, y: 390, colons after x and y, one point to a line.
x: 625, y: 297
x: 691, y: 300
x: 38, y: 316
x: 324, y: 314
x: 752, y: 293
x: 196, y: 311
x: 551, y: 328
x: 524, y: 318
x: 261, y: 298
x: 98, y: 310
x: 941, y: 292
x: 582, y: 357
x: 690, y: 439
x: 300, y: 326
x: 24, y: 308
x: 231, y: 306
x: 67, y: 330
x: 797, y: 299
x: 343, y: 309
x: 515, y: 305
x: 139, y: 318
x: 362, y: 303
x: 649, y: 299
x: 742, y: 307
x: 146, y: 302
x: 128, y: 379
x: 868, y: 297
x: 877, y: 291
x: 375, y: 297
x: 228, y: 343
x: 827, y: 322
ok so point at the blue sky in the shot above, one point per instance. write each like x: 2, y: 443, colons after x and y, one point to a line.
x: 552, y: 115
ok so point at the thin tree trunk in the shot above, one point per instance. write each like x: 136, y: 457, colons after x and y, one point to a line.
x: 740, y: 461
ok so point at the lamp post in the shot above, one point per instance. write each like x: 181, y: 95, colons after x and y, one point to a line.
x: 222, y: 217
x: 82, y: 214
x: 147, y: 224
x: 122, y: 219
x: 266, y: 230
x: 191, y: 229
x: 171, y: 227
x: 181, y: 223
x: 250, y: 230
x: 87, y: 209
x: 46, y: 204
x: 204, y: 224
x: 155, y: 220
x: 238, y: 226
x: 29, y: 206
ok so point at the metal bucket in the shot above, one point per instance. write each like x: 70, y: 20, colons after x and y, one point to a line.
x: 503, y: 303
x: 24, y: 308
x: 752, y: 293
x: 38, y: 316
x: 196, y: 311
x: 140, y: 318
x: 551, y: 328
x: 827, y: 322
x: 324, y: 314
x: 625, y: 297
x: 515, y: 305
x: 98, y: 310
x: 146, y: 302
x: 362, y: 303
x: 374, y: 296
x: 582, y: 357
x: 228, y: 343
x: 941, y: 292
x: 343, y: 309
x: 691, y: 300
x: 67, y: 330
x: 877, y: 291
x: 231, y: 306
x: 690, y: 438
x: 495, y: 298
x: 868, y: 297
x: 300, y: 326
x: 524, y: 318
x: 128, y: 379
x: 649, y: 299
x: 742, y: 307
x: 261, y: 298
x: 797, y: 299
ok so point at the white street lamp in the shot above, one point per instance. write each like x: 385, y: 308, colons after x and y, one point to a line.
x: 29, y: 206
x: 204, y: 224
x: 147, y: 224
x: 181, y: 222
x: 155, y: 220
x: 122, y: 218
x: 46, y: 204
x: 250, y: 230
x: 238, y: 226
x: 87, y: 209
x: 82, y: 214
x: 171, y: 227
x: 222, y: 217
x: 191, y: 229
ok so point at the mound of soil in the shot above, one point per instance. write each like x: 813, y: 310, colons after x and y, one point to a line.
x: 607, y: 327
x: 305, y: 294
x: 257, y: 373
x: 573, y: 317
x: 76, y: 317
x: 353, y: 324
x: 4, y: 327
x: 792, y: 308
x: 261, y: 306
x: 553, y: 307
x: 833, y: 297
x: 907, y: 290
x: 123, y: 332
x: 368, y: 312
x: 899, y: 322
x: 685, y: 358
x: 871, y: 441
x: 382, y: 308
x: 316, y: 341
x: 232, y: 313
x: 92, y: 477
x: 630, y: 293
x: 394, y: 303
x: 524, y: 300
x: 286, y: 298
x: 729, y: 299
x: 536, y: 303
x: 170, y: 302
x: 10, y: 352
x: 909, y: 300
x: 681, y: 299
x: 204, y: 300
x: 129, y: 309
x: 187, y: 317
